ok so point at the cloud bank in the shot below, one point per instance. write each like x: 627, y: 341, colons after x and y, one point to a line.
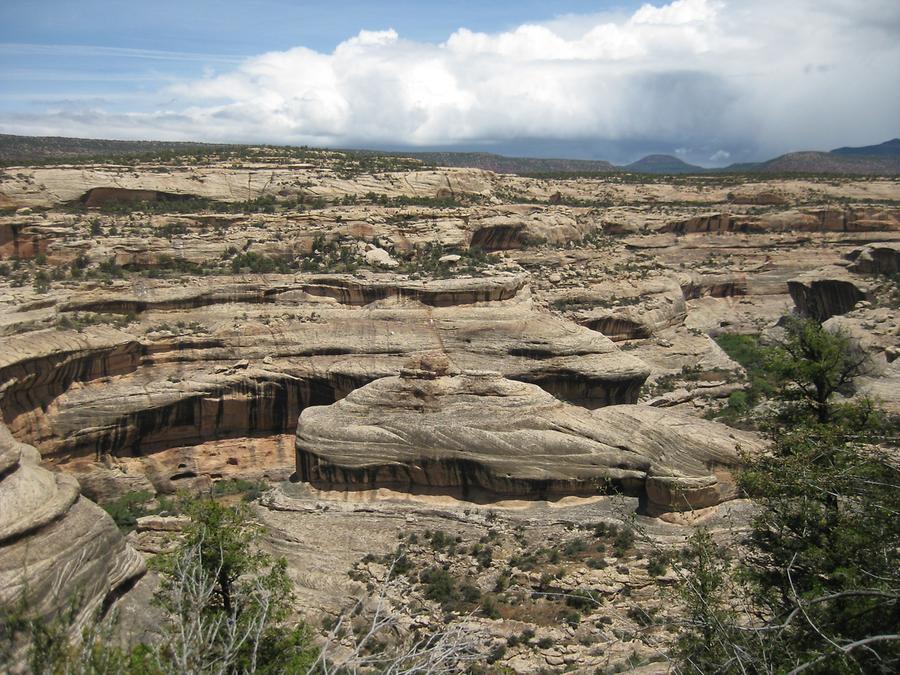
x: 718, y: 80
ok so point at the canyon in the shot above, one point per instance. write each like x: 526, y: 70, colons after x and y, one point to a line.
x: 404, y: 350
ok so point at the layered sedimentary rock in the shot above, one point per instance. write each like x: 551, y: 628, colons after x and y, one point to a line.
x: 863, y: 219
x: 22, y: 240
x: 250, y: 356
x: 50, y: 185
x: 639, y: 309
x: 57, y: 549
x: 826, y: 292
x: 874, y: 332
x: 479, y: 435
x: 881, y: 258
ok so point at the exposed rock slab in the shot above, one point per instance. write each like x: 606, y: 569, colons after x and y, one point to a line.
x: 56, y: 547
x: 480, y: 435
x: 639, y: 310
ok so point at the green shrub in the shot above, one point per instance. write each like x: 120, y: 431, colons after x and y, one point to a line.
x: 126, y: 509
x: 41, y: 281
x: 581, y: 599
x: 489, y: 607
x: 570, y: 617
x: 439, y: 585
x: 624, y: 541
x: 470, y: 593
x: 657, y: 564
x: 574, y: 547
x: 440, y: 540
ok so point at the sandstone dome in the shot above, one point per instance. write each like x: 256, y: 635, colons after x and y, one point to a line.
x: 478, y: 435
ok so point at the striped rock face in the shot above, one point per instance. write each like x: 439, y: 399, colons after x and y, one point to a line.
x: 480, y: 436
x: 56, y: 547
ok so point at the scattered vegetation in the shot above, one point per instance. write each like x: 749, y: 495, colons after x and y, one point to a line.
x: 816, y: 589
x: 225, y: 608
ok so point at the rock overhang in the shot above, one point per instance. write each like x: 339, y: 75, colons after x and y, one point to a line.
x: 481, y: 436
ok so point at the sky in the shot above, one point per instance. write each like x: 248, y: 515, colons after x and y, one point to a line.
x: 711, y: 81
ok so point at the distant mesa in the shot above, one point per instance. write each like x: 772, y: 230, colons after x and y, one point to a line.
x: 663, y: 164
x: 881, y: 159
x: 874, y: 160
x: 518, y: 165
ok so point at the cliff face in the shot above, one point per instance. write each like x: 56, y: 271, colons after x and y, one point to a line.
x: 480, y: 436
x: 827, y: 292
x: 862, y: 219
x: 56, y: 547
x: 83, y: 396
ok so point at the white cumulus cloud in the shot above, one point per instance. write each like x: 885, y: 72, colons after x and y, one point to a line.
x: 724, y: 78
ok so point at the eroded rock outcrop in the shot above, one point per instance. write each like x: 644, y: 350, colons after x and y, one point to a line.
x: 56, y: 547
x: 827, y: 219
x: 881, y: 258
x: 639, y: 311
x: 478, y: 435
x: 826, y: 292
x: 257, y: 353
x: 21, y: 240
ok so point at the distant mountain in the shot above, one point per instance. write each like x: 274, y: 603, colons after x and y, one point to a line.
x: 665, y: 164
x: 889, y: 148
x: 825, y: 162
x: 882, y: 159
x: 870, y: 160
x: 519, y: 165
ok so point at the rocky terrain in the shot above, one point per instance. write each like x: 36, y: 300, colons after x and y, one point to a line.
x: 56, y: 545
x: 529, y: 366
x: 481, y: 437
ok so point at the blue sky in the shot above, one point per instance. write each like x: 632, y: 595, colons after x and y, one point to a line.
x: 712, y: 81
x: 120, y: 51
x: 255, y: 26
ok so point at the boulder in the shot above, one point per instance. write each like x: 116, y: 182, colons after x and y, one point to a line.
x: 881, y: 258
x: 378, y: 257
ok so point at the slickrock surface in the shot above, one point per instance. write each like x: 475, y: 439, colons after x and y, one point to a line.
x: 479, y: 436
x: 56, y: 547
x: 260, y: 352
x: 158, y: 359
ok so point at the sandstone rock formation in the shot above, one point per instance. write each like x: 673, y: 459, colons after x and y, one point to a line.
x: 56, y: 548
x: 874, y: 332
x: 825, y: 292
x: 257, y: 353
x: 882, y: 258
x: 110, y: 183
x: 480, y: 436
x: 638, y: 310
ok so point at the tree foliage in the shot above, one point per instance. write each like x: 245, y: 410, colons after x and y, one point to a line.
x: 813, y: 364
x: 227, y: 602
x: 818, y: 589
x: 226, y: 608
